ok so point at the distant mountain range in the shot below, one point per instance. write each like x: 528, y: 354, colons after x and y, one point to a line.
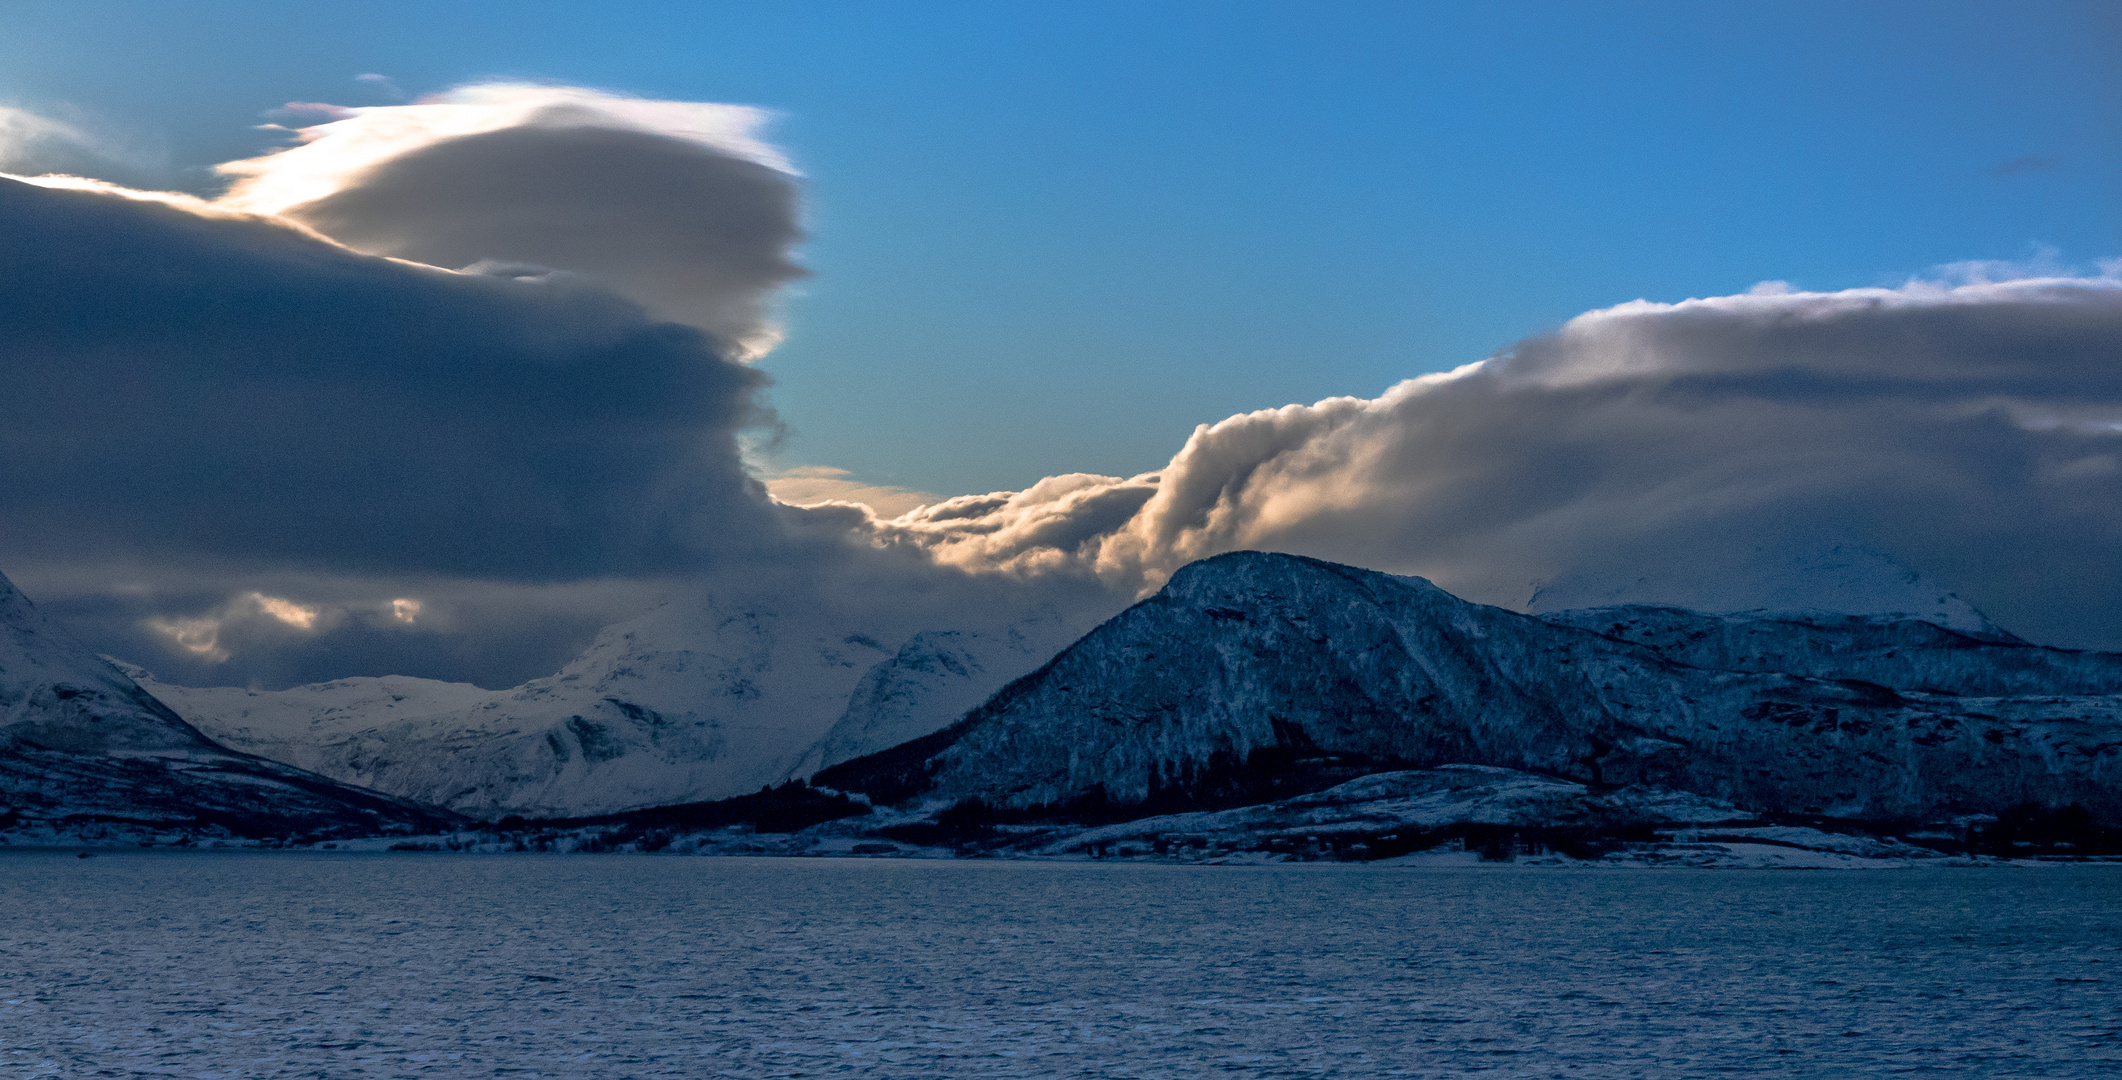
x: 1251, y: 680
x: 86, y: 754
x: 686, y: 702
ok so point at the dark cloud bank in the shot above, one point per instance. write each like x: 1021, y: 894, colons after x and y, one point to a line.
x: 230, y: 386
x: 229, y: 445
x: 213, y: 392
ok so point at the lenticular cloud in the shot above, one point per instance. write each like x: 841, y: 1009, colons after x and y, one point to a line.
x: 677, y: 205
x: 1653, y: 452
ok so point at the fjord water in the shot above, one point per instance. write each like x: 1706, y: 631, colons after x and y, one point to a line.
x: 346, y: 965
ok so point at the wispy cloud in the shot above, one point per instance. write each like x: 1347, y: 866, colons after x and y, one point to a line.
x: 2040, y: 261
x: 34, y: 143
x: 382, y: 84
x: 814, y: 485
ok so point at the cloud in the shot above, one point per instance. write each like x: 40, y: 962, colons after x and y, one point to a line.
x: 27, y: 140
x: 1967, y: 430
x: 148, y: 609
x: 2041, y: 261
x: 230, y: 385
x: 813, y: 485
x: 238, y: 450
x: 382, y: 84
x: 278, y: 437
x: 31, y: 142
x: 190, y: 388
x: 251, y: 614
x: 676, y: 205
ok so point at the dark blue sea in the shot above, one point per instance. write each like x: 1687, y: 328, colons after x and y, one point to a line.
x: 257, y: 965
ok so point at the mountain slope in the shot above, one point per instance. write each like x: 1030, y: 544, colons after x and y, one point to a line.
x: 1245, y: 655
x: 83, y: 749
x: 1902, y: 653
x: 699, y: 699
x: 1835, y: 578
x: 931, y: 681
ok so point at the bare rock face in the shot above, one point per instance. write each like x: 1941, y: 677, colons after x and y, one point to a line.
x: 1249, y: 657
x: 83, y: 750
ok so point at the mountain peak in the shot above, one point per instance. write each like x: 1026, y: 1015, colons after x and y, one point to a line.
x: 1275, y: 572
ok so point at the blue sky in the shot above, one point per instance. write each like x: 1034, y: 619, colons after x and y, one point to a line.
x: 1055, y: 237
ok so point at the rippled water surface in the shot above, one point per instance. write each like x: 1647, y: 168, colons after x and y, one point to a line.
x: 284, y: 965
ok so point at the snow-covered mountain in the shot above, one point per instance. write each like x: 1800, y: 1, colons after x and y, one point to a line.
x: 1825, y: 578
x: 1851, y: 716
x: 85, y: 751
x: 700, y: 698
x: 930, y: 682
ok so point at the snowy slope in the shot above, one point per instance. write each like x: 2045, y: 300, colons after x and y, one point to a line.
x: 57, y: 695
x: 1905, y: 654
x: 930, y: 682
x: 298, y: 725
x: 700, y: 698
x: 84, y: 749
x: 1422, y: 799
x: 1825, y: 579
x: 1249, y: 652
x: 1422, y: 815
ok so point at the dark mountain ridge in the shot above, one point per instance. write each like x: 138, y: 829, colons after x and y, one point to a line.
x: 1248, y: 657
